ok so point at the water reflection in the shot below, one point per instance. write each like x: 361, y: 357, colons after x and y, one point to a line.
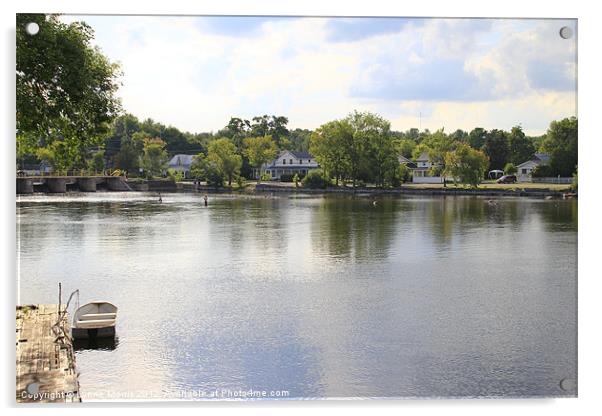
x: 334, y: 296
x: 100, y: 344
x: 355, y: 227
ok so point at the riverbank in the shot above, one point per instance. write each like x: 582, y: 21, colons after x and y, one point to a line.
x: 45, y: 360
x: 486, y: 190
x: 122, y: 184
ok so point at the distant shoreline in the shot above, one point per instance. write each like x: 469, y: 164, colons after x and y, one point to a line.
x: 408, y: 190
x: 492, y: 190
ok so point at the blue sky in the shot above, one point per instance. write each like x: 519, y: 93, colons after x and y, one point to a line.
x: 197, y: 72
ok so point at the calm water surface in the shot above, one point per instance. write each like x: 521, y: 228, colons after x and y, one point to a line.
x: 315, y: 296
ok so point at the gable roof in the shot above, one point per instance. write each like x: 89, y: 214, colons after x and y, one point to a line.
x: 538, y: 159
x: 424, y: 156
x: 544, y: 157
x: 181, y: 160
x: 297, y: 154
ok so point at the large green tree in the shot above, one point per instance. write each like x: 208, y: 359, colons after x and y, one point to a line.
x: 520, y: 146
x: 155, y: 158
x: 327, y: 145
x: 497, y: 149
x: 476, y: 138
x: 260, y: 150
x: 369, y: 142
x: 65, y: 88
x: 222, y: 152
x: 466, y: 164
x: 381, y: 159
x: 562, y: 145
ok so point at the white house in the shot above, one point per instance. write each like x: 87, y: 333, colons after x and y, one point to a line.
x: 181, y: 163
x: 525, y: 169
x: 421, y: 173
x: 289, y: 162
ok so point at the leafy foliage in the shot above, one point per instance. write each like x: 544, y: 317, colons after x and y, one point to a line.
x: 97, y: 163
x: 510, y: 169
x: 154, y: 160
x: 466, y: 164
x: 520, y: 147
x: 562, y: 145
x: 316, y: 179
x: 260, y: 150
x: 496, y: 148
x: 65, y: 90
x: 222, y: 153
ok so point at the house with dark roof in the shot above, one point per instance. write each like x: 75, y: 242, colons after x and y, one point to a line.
x: 525, y: 169
x: 287, y: 163
x: 181, y: 163
x: 405, y: 161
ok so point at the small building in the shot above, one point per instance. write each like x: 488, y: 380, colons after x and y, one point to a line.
x: 290, y: 163
x: 35, y: 169
x: 525, y: 169
x: 422, y: 172
x: 181, y: 163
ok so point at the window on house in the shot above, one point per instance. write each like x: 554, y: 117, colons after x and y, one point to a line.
x: 308, y: 160
x: 284, y: 161
x: 291, y: 161
x: 524, y: 171
x: 300, y: 161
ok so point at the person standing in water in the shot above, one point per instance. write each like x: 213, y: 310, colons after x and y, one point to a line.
x: 160, y: 199
x: 205, y: 198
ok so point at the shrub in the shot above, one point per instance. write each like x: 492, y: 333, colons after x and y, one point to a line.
x: 240, y: 181
x: 316, y: 179
x: 510, y: 169
x: 175, y: 175
x: 542, y: 171
x: 400, y: 175
x: 291, y: 177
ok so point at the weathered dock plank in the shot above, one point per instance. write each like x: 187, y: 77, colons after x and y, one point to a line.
x: 45, y: 360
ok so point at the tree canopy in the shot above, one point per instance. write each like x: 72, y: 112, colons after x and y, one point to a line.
x: 466, y: 164
x: 561, y: 143
x: 65, y: 90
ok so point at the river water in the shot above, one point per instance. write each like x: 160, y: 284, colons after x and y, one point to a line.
x: 312, y: 296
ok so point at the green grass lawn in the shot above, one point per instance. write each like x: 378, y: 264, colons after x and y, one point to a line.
x: 493, y: 185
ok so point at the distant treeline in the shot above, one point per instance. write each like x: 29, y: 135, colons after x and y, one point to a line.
x: 124, y: 148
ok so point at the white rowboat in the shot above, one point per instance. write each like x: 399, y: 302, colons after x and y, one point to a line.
x: 94, y: 320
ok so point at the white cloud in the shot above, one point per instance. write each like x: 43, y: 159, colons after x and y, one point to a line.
x: 459, y: 73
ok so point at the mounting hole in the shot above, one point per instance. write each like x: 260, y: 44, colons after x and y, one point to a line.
x: 33, y: 388
x: 32, y: 28
x: 567, y: 384
x: 566, y: 32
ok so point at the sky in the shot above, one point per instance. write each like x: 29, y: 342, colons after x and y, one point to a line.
x: 196, y: 72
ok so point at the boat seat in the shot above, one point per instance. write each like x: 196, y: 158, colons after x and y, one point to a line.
x: 97, y: 323
x: 95, y: 316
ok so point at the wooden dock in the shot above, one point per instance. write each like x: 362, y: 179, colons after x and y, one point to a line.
x: 45, y: 359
